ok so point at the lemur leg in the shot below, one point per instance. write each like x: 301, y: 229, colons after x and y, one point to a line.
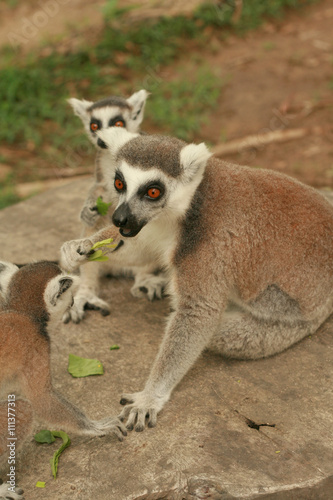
x: 188, y: 333
x: 243, y: 336
x: 52, y: 407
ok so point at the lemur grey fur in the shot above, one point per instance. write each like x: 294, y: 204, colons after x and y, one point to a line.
x: 33, y: 301
x: 249, y: 251
x: 110, y: 112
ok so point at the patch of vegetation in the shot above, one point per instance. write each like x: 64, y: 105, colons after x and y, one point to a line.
x: 223, y: 13
x: 7, y: 193
x: 11, y: 3
x: 181, y: 107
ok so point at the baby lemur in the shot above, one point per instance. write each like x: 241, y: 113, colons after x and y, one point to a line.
x: 101, y: 115
x: 33, y: 301
x: 249, y: 251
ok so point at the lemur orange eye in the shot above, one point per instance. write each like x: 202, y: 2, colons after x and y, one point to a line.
x: 154, y: 193
x: 94, y: 127
x: 119, y: 123
x: 119, y: 184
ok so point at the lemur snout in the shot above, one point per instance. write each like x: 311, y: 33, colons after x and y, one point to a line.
x: 120, y: 216
x: 126, y: 221
x: 101, y: 144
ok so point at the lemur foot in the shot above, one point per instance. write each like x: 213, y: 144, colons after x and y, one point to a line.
x: 107, y: 426
x: 83, y: 301
x: 150, y: 286
x: 6, y: 494
x: 141, y: 407
x: 74, y: 253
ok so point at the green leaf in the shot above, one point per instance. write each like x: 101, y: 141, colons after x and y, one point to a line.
x: 103, y: 243
x: 98, y: 255
x: 83, y: 367
x: 44, y: 436
x: 98, y: 258
x: 102, y: 207
x: 49, y: 437
x: 55, y: 459
x: 114, y: 347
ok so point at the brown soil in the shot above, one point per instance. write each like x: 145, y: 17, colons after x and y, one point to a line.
x: 279, y: 77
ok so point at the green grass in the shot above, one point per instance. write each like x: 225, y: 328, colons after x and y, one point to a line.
x: 12, y: 3
x: 181, y: 107
x: 7, y: 193
x: 254, y: 12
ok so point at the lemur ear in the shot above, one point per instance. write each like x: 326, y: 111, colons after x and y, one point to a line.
x: 57, y: 286
x: 7, y: 270
x: 80, y: 107
x: 137, y: 101
x: 115, y: 138
x: 193, y: 159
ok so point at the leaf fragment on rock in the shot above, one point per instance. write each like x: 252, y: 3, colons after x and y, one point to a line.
x: 83, y: 367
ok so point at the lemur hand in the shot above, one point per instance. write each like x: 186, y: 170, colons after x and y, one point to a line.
x: 74, y: 253
x: 89, y: 213
x: 83, y: 300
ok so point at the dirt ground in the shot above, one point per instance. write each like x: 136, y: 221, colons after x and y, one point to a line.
x: 278, y: 78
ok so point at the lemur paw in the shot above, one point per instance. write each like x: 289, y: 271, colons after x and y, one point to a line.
x: 89, y: 215
x: 82, y: 302
x: 109, y: 425
x: 74, y: 253
x: 5, y: 494
x: 141, y: 407
x: 150, y: 286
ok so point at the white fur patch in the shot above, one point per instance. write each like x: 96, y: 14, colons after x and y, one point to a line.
x: 7, y: 269
x: 137, y: 101
x: 57, y: 302
x: 80, y: 107
x: 193, y: 158
x: 135, y: 177
x: 115, y: 138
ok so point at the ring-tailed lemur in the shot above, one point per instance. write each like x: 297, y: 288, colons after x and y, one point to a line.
x: 33, y: 301
x: 113, y: 111
x: 250, y: 253
x: 101, y: 115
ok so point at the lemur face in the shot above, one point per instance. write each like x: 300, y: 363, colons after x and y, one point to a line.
x: 142, y: 197
x: 110, y: 112
x: 155, y: 177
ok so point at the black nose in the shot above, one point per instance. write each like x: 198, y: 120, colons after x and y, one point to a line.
x: 120, y: 216
x: 101, y: 144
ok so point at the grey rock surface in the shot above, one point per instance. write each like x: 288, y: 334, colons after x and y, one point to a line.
x: 232, y: 429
